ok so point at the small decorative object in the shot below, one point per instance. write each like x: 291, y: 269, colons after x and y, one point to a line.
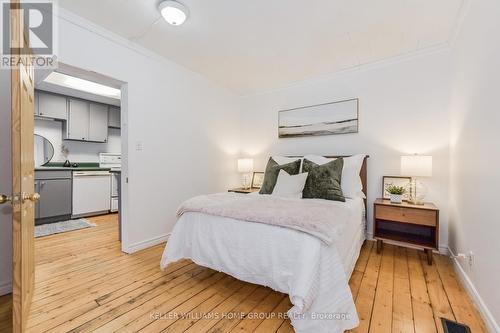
x: 322, y: 119
x: 396, y: 193
x: 398, y: 181
x: 245, y: 166
x: 65, y: 154
x: 416, y: 166
x: 257, y: 179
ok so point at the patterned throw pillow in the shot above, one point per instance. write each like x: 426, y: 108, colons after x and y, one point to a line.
x: 324, y: 180
x: 272, y: 171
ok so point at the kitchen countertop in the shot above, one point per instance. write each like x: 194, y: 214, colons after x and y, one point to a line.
x: 81, y: 167
x: 71, y: 169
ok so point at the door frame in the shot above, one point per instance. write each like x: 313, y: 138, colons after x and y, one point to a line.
x: 94, y: 75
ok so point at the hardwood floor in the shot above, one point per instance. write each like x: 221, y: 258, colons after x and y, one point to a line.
x: 84, y: 283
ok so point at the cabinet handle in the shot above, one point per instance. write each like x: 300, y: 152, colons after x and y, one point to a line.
x: 42, y: 183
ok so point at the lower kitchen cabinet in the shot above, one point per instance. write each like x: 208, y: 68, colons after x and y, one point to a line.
x: 55, y: 196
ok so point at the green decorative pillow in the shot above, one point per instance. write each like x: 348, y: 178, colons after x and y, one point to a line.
x: 323, y: 181
x: 272, y: 171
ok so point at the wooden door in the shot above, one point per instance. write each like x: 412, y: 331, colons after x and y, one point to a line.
x: 23, y: 197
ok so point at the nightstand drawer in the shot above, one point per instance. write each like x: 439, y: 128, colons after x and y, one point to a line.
x: 407, y: 215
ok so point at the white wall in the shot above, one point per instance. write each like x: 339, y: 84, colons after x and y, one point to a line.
x: 5, y: 185
x: 475, y: 139
x: 403, y: 110
x: 78, y: 151
x: 187, y: 126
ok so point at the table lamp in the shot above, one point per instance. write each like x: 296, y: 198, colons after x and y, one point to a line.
x: 416, y: 166
x: 245, y: 166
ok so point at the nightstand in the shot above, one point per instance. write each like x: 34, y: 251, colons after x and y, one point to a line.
x: 244, y: 191
x: 407, y: 224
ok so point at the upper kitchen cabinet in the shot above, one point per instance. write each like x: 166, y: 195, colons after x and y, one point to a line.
x: 98, y: 122
x: 77, y: 126
x: 114, y: 117
x: 51, y: 106
x: 87, y: 121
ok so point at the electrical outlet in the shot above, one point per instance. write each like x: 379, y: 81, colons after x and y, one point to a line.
x: 470, y: 257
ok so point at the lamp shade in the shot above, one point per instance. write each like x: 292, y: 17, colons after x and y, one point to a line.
x: 245, y: 165
x: 416, y: 166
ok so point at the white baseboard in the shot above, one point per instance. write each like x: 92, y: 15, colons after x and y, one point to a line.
x: 146, y: 244
x: 490, y: 321
x: 5, y: 288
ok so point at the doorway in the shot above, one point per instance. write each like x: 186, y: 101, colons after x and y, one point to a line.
x: 57, y: 185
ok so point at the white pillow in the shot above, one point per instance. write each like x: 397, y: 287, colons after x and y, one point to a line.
x: 289, y: 186
x: 351, y: 184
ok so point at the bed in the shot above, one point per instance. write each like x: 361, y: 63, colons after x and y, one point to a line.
x: 312, y: 272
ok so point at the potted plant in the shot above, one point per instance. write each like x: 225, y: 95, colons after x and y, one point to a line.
x: 396, y: 193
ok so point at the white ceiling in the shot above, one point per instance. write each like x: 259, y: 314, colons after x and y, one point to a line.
x: 257, y: 45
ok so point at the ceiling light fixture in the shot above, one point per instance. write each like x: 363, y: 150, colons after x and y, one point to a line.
x: 76, y: 83
x: 173, y: 12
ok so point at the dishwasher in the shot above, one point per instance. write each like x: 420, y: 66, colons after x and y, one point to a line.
x: 91, y: 193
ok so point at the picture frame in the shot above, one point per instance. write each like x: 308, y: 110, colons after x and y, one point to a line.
x: 340, y: 117
x: 257, y: 179
x: 394, y: 180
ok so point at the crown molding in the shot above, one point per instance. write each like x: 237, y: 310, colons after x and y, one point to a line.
x: 90, y: 26
x: 459, y: 22
x: 319, y: 79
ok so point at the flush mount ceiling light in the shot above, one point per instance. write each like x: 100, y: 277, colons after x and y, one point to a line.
x: 76, y: 83
x: 173, y: 12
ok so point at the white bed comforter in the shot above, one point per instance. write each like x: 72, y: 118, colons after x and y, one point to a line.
x: 293, y: 262
x: 318, y: 218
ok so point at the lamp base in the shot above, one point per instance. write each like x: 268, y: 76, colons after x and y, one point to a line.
x: 246, y: 182
x: 417, y: 192
x: 416, y: 202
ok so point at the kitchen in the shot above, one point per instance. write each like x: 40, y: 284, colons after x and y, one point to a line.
x: 77, y: 152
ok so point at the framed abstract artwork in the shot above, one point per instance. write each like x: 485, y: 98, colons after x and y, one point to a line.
x: 322, y: 119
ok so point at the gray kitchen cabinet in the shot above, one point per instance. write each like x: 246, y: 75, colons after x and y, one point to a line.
x: 37, y: 205
x: 77, y: 126
x: 87, y: 121
x: 114, y: 117
x: 55, y: 191
x: 55, y: 197
x: 98, y: 123
x: 52, y: 106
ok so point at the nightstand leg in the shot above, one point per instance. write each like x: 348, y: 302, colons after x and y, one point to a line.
x: 429, y: 256
x: 379, y: 245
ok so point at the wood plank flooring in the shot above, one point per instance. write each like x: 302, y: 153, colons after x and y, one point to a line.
x: 84, y: 283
